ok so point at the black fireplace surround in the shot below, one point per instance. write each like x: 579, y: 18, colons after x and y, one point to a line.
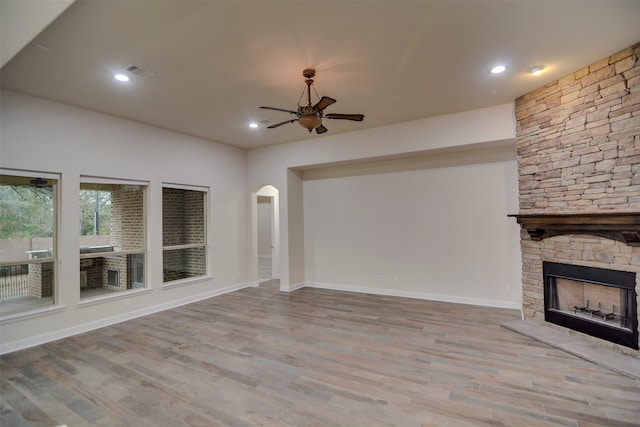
x: 620, y: 328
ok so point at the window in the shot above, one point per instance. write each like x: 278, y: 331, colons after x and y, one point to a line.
x: 28, y: 205
x: 183, y: 232
x: 112, y: 236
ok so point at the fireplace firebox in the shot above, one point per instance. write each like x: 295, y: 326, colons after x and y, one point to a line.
x: 595, y: 301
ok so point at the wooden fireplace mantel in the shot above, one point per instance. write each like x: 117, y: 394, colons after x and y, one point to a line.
x: 620, y: 226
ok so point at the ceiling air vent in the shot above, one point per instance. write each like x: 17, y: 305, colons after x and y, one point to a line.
x: 139, y: 71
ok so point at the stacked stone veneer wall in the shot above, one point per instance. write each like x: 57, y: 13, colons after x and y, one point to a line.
x: 579, y: 152
x: 183, y: 223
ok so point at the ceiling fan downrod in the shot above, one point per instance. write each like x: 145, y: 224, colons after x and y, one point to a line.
x: 309, y: 119
x: 309, y: 74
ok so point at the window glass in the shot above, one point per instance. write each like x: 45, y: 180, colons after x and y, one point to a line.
x: 183, y: 233
x: 183, y: 263
x: 112, y: 237
x: 27, y: 242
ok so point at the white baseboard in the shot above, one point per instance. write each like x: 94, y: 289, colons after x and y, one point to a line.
x: 417, y: 295
x: 291, y: 288
x: 86, y: 327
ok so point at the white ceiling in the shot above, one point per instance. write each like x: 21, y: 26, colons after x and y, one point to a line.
x: 216, y: 62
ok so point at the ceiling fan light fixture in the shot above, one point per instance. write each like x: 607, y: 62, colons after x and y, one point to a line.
x: 310, y: 121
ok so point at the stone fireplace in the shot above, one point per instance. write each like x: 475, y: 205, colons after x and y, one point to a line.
x: 579, y: 186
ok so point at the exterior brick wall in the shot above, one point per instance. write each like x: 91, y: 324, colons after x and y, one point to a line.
x: 579, y: 152
x: 183, y: 223
x: 97, y: 270
x: 93, y: 268
x: 119, y: 264
x: 127, y: 217
x: 41, y: 280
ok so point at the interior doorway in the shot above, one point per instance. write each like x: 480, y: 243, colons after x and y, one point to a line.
x: 267, y: 238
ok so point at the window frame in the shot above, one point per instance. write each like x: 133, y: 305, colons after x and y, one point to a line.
x: 205, y: 190
x: 124, y: 254
x: 54, y: 304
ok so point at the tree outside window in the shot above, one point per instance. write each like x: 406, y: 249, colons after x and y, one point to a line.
x: 95, y: 212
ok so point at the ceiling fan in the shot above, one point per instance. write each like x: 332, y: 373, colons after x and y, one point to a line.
x: 310, y: 116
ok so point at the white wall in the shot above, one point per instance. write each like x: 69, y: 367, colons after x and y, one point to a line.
x: 451, y: 135
x: 39, y: 135
x: 439, y: 233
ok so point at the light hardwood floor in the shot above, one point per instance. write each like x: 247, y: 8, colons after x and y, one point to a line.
x: 311, y: 358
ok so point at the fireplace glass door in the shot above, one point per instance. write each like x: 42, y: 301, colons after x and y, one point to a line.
x: 595, y: 301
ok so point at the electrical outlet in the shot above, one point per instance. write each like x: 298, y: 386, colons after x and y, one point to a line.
x: 507, y: 288
x: 126, y: 303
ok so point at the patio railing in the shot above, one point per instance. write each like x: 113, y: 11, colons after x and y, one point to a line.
x: 14, y: 280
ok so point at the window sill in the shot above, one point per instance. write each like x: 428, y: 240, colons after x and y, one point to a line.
x: 16, y: 317
x: 185, y: 282
x: 111, y: 297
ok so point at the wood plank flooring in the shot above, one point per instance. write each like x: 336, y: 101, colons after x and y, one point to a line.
x: 259, y: 357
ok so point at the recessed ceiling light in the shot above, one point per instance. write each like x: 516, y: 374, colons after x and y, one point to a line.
x: 498, y: 69
x: 535, y: 70
x: 121, y: 77
x: 253, y: 125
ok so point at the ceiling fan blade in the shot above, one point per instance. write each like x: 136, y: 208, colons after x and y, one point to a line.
x: 282, y: 123
x: 324, y: 102
x: 280, y: 109
x: 321, y: 129
x: 354, y: 117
